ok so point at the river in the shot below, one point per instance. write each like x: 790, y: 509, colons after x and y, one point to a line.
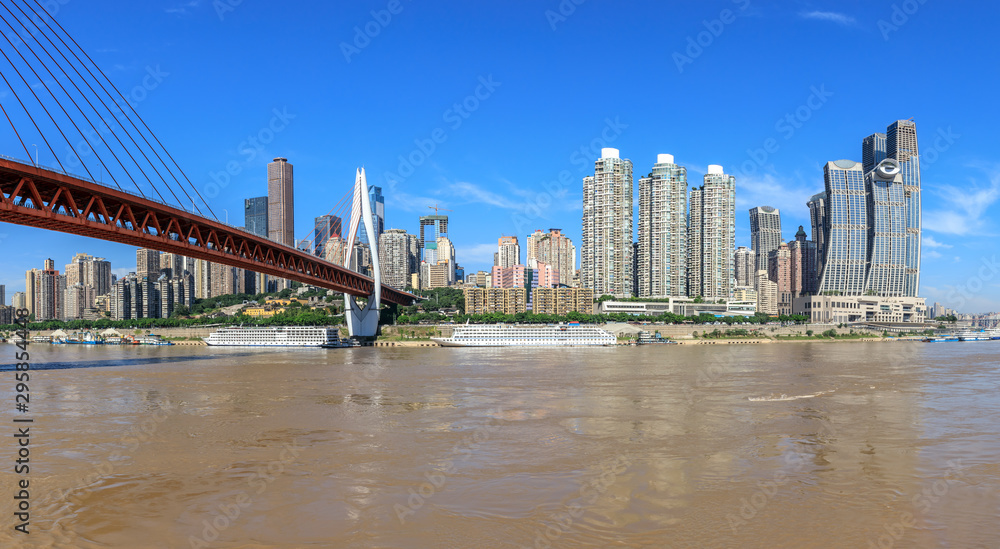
x: 783, y: 445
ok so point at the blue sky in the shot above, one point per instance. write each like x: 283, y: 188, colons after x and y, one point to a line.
x: 502, y: 108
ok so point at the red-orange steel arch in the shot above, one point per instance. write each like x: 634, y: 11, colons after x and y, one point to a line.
x: 42, y: 198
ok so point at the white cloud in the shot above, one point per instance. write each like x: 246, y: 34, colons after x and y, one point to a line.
x: 929, y: 242
x: 932, y: 255
x: 968, y: 204
x: 472, y: 193
x: 183, y: 9
x: 475, y: 254
x: 122, y: 271
x: 768, y: 190
x: 831, y: 16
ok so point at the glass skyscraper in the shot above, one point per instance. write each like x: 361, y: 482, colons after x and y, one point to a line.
x: 846, y: 229
x: 326, y: 227
x: 765, y: 233
x: 255, y: 215
x: 886, y: 231
x: 901, y: 146
x: 872, y: 151
x: 378, y: 215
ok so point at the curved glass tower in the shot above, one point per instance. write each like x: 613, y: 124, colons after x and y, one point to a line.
x: 846, y: 247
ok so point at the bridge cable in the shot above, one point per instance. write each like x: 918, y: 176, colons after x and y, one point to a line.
x: 84, y: 96
x: 32, y: 90
x: 143, y: 122
x: 15, y: 132
x: 73, y: 122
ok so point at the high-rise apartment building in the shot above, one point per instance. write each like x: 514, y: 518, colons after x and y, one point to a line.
x: 606, y: 260
x: 255, y: 215
x: 432, y: 227
x: 334, y: 250
x: 712, y: 236
x: 745, y: 267
x: 172, y: 265
x: 147, y: 263
x: 901, y: 146
x: 765, y: 233
x: 662, y: 244
x: 508, y: 252
x: 48, y: 287
x: 377, y: 202
x: 280, y: 206
x: 399, y: 257
x: 779, y: 271
x: 19, y: 300
x: 326, y: 227
x: 507, y: 277
x: 555, y: 249
x: 3, y: 295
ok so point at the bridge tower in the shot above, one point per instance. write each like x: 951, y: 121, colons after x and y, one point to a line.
x: 363, y: 321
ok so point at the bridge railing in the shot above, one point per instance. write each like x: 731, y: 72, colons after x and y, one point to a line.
x: 109, y: 187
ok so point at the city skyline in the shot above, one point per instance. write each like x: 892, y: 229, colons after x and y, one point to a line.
x: 488, y: 181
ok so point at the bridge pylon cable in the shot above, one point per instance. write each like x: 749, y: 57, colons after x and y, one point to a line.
x: 124, y: 100
x: 70, y: 97
x: 85, y: 98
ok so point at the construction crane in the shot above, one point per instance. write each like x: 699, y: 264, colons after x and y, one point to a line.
x: 436, y: 209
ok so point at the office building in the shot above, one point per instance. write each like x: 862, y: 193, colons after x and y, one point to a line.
x: 326, y: 227
x: 432, y: 227
x: 744, y: 267
x: 280, y: 202
x: 901, y: 146
x: 803, y: 264
x: 399, y: 257
x: 886, y: 268
x: 552, y: 248
x: 606, y: 260
x: 3, y: 295
x: 508, y: 252
x: 662, y: 244
x: 817, y: 217
x: 832, y: 309
x: 846, y: 229
x: 872, y: 151
x: 377, y: 202
x: 712, y: 236
x: 255, y: 216
x: 765, y: 233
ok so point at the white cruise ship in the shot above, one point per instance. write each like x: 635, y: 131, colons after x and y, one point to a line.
x: 507, y: 335
x: 276, y: 336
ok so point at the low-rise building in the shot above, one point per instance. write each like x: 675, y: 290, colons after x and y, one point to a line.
x: 683, y: 306
x: 508, y: 301
x: 562, y: 301
x: 835, y: 309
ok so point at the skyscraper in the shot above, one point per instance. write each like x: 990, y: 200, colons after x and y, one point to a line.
x: 712, y: 236
x: 326, y: 227
x: 745, y: 267
x: 901, y: 146
x: 846, y: 229
x: 280, y: 206
x: 399, y: 257
x: 432, y: 227
x: 765, y: 233
x: 377, y: 201
x: 255, y: 216
x: 508, y: 252
x: 662, y: 245
x: 606, y: 259
x: 886, y: 268
x: 147, y: 263
x: 3, y: 295
x: 817, y: 217
x: 555, y: 249
x: 872, y: 151
x: 803, y: 264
